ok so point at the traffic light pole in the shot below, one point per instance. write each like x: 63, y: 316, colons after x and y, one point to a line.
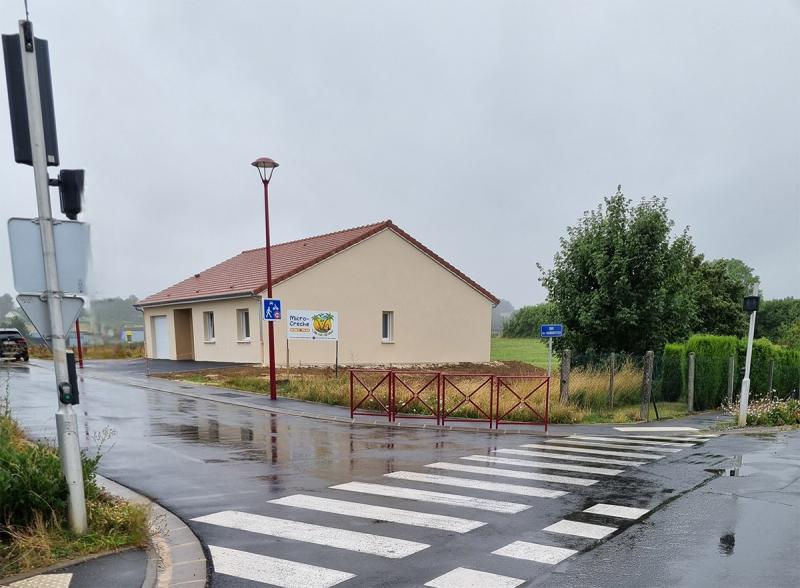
x: 66, y: 419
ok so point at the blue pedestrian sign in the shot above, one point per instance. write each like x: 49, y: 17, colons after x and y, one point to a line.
x: 547, y: 331
x: 272, y: 309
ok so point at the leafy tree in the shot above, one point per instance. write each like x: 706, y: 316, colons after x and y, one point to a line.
x: 525, y: 322
x: 719, y: 286
x: 619, y: 282
x: 112, y: 313
x: 6, y: 305
x: 15, y: 322
x: 776, y: 316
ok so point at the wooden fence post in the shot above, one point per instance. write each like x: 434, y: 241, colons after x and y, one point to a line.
x: 565, y: 361
x: 647, y: 386
x: 611, y: 381
x: 690, y: 384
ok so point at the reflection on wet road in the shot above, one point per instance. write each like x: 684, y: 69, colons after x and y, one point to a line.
x: 291, y: 501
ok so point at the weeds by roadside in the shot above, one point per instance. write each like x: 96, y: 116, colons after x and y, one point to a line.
x: 33, y: 504
x: 769, y: 412
x: 115, y: 351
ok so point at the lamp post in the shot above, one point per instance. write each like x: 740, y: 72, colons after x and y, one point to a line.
x: 266, y: 167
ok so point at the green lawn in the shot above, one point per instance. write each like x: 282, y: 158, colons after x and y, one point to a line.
x: 527, y: 350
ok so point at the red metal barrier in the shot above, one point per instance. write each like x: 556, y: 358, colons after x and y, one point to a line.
x: 465, y: 388
x: 362, y: 391
x: 522, y: 389
x: 415, y: 391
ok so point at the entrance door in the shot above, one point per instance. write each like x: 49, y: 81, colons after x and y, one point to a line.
x: 160, y: 337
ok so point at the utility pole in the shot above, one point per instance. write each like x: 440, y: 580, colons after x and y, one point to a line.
x: 751, y: 305
x: 66, y: 419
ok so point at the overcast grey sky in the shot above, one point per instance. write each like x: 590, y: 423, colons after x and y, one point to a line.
x: 482, y: 128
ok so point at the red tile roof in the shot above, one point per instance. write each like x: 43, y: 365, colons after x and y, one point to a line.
x: 246, y: 273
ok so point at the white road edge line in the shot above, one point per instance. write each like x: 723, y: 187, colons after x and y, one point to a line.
x: 329, y: 536
x: 271, y: 570
x: 381, y: 513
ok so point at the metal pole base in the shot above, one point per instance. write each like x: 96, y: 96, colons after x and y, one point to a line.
x: 743, y: 400
x: 67, y: 430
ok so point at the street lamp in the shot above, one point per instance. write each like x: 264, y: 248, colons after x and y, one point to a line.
x: 751, y: 306
x: 266, y: 167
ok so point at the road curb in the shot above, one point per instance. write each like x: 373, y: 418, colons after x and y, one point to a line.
x: 175, y: 556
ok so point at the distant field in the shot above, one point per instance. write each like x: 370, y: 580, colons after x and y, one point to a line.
x: 527, y: 350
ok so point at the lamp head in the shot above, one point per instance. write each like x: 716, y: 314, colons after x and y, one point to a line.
x: 265, y: 167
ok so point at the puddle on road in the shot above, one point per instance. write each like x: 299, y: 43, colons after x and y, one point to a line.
x: 735, y: 469
x: 726, y: 543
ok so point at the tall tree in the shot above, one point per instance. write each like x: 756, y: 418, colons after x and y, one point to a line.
x: 6, y: 305
x: 619, y: 281
x: 719, y: 286
x: 526, y: 321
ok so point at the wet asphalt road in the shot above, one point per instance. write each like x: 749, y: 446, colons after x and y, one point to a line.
x: 200, y: 457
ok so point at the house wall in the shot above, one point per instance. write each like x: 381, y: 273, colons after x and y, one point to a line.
x: 225, y: 346
x: 438, y: 318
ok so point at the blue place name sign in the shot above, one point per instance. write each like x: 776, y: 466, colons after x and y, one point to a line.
x: 551, y: 331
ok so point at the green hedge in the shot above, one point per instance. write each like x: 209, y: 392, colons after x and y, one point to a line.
x: 786, y: 373
x: 672, y: 368
x: 711, y: 368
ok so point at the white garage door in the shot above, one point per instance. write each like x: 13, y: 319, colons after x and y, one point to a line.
x: 160, y: 338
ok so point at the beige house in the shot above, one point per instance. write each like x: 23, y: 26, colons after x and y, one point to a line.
x: 397, y: 302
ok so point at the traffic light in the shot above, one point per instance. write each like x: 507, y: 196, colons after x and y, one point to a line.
x: 73, y: 378
x: 70, y: 189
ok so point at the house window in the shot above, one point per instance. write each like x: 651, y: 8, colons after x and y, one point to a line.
x: 208, y: 326
x: 387, y: 326
x: 243, y: 324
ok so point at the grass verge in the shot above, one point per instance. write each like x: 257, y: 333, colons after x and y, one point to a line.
x: 531, y: 351
x: 588, y: 405
x: 33, y: 506
x: 115, y: 351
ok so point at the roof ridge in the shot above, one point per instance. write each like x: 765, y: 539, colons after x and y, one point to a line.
x: 386, y: 222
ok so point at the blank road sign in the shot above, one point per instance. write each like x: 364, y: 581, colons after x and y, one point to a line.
x: 72, y: 255
x: 39, y: 314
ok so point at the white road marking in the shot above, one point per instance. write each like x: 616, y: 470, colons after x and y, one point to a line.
x: 466, y: 578
x: 271, y: 570
x: 594, y: 451
x: 437, y: 497
x: 578, y: 529
x: 328, y: 536
x: 680, y: 440
x: 612, y: 445
x: 381, y: 513
x: 458, y: 467
x: 477, y: 484
x: 544, y: 465
x: 653, y: 429
x: 631, y: 440
x: 44, y: 581
x: 567, y: 457
x: 613, y: 510
x: 546, y: 554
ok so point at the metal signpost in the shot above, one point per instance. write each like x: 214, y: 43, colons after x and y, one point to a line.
x: 751, y: 305
x: 27, y: 72
x: 549, y: 332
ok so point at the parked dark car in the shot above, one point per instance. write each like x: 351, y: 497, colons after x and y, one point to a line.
x: 13, y: 344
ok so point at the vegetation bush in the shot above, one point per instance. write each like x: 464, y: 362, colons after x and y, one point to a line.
x: 711, y: 368
x: 786, y: 372
x: 526, y: 321
x: 33, y: 506
x: 671, y: 383
x: 770, y: 412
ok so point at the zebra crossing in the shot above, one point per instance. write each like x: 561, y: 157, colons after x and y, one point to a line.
x: 450, y: 485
